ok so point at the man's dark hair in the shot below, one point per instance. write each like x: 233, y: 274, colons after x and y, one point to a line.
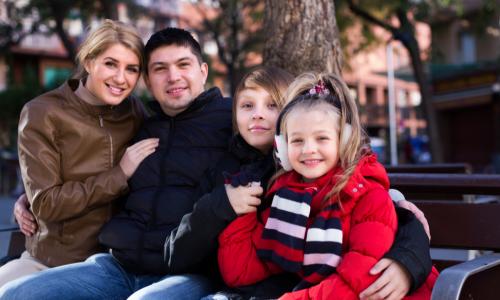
x: 171, y: 36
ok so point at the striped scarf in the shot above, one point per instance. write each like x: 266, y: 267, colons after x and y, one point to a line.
x: 301, y: 235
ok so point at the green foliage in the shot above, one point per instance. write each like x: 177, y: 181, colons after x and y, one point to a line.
x: 347, y: 21
x: 48, y: 16
x: 15, y: 96
x: 233, y: 37
x: 12, y: 100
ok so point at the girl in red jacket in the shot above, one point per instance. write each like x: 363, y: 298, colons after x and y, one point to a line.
x: 331, y: 218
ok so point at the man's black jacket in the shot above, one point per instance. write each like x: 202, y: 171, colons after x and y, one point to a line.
x: 163, y: 188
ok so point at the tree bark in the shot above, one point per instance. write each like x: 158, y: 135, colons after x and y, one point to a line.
x: 302, y: 35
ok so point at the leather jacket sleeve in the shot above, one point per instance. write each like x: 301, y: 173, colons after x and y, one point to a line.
x: 51, y: 198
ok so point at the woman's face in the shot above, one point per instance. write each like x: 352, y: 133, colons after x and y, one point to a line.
x: 113, y: 74
x: 256, y: 115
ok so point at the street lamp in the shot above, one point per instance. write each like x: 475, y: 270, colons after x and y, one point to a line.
x: 391, y: 104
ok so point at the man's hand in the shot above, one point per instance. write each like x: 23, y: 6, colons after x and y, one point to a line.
x: 418, y: 214
x: 393, y: 284
x: 244, y: 199
x: 24, y: 217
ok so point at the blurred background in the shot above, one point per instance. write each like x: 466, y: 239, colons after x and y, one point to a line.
x: 426, y: 74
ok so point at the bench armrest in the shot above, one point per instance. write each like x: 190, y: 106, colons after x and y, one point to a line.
x: 14, y: 240
x: 477, y: 278
x: 9, y: 228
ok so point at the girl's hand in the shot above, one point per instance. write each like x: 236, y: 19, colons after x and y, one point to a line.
x: 244, y: 199
x: 24, y: 217
x: 418, y: 214
x: 136, y: 153
x: 393, y: 284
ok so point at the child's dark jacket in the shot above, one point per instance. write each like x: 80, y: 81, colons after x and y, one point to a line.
x: 193, y: 247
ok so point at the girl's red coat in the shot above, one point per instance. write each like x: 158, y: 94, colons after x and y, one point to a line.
x: 369, y: 225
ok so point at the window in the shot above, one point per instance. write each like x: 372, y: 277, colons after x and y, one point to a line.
x: 467, y: 47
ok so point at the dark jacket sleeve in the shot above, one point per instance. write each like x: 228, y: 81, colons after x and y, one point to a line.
x: 411, y: 248
x: 195, y: 239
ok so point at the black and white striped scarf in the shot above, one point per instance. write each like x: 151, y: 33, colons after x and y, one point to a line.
x: 301, y: 234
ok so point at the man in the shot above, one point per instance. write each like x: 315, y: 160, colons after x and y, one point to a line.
x: 194, y: 127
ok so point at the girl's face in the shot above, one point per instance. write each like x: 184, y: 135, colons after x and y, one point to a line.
x: 112, y: 75
x: 256, y: 115
x: 313, y: 141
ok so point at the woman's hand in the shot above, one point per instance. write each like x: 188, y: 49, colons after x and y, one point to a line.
x: 24, y: 217
x: 393, y: 284
x: 136, y: 153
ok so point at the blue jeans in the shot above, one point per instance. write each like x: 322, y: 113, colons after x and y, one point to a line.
x: 102, y: 277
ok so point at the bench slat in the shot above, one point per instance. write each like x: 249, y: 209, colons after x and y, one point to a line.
x: 463, y: 225
x: 430, y: 168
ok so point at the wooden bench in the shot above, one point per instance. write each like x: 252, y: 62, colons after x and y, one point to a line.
x: 460, y: 225
x: 420, y: 194
x: 453, y: 224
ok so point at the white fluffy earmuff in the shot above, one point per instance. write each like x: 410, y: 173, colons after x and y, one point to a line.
x: 281, y: 152
x: 345, y: 136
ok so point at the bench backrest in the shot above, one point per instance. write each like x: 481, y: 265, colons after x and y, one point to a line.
x: 456, y: 224
x: 426, y: 186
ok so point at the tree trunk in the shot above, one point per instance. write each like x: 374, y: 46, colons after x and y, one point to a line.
x: 411, y: 44
x: 405, y: 33
x: 302, y: 35
x: 59, y: 15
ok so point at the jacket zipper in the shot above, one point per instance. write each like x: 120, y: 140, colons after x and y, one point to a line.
x: 110, y: 137
x: 101, y: 124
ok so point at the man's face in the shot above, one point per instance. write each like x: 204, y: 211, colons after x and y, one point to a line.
x: 175, y: 77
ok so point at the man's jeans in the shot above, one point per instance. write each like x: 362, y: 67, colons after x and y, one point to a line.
x: 102, y: 277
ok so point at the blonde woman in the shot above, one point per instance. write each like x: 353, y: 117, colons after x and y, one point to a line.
x: 73, y: 150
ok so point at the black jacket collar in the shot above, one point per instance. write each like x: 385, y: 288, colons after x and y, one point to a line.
x: 243, y: 151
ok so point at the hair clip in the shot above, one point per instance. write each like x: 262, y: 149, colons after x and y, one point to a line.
x: 320, y: 89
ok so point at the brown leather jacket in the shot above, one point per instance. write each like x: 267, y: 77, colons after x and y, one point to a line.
x: 69, y: 153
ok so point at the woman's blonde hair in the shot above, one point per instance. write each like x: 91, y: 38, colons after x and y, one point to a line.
x: 273, y: 80
x: 353, y: 140
x: 107, y: 34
